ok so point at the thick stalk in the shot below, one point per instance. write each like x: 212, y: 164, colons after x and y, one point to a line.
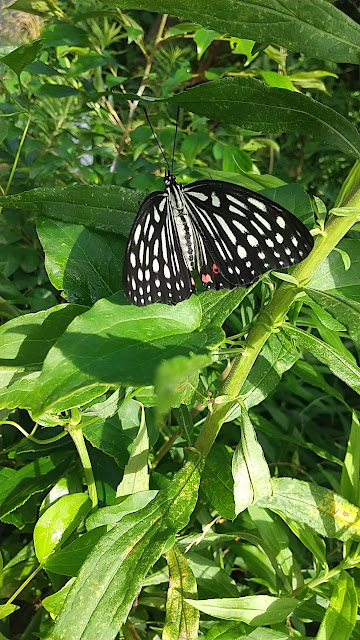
x: 272, y: 315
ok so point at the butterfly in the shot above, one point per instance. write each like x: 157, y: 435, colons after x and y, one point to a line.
x: 229, y: 234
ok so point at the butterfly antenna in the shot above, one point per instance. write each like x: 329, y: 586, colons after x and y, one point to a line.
x: 157, y: 140
x: 174, y: 143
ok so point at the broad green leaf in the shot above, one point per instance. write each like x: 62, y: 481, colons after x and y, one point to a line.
x: 217, y: 481
x: 49, y: 90
x: 227, y: 630
x: 17, y: 570
x: 345, y: 310
x: 253, y: 181
x: 116, y: 434
x: 115, y: 344
x: 321, y: 314
x: 274, y: 79
x: 315, y: 28
x: 17, y: 487
x: 240, y: 46
x: 338, y: 363
x: 24, y: 344
x: 182, y: 620
x: 8, y: 291
x: 276, y: 544
x: 203, y: 39
x: 250, y: 471
x: 136, y: 472
x: 110, y: 208
x: 7, y: 609
x: 218, y: 305
x: 277, y: 356
x: 58, y: 522
x: 350, y: 475
x: 37, y: 7
x: 110, y: 516
x: 54, y: 603
x: 256, y: 563
x: 249, y: 103
x: 193, y: 144
x: 4, y: 127
x: 211, y: 578
x: 321, y: 509
x: 103, y: 593
x: 23, y: 55
x: 105, y: 408
x: 57, y: 34
x: 310, y: 540
x: 254, y: 610
x: 341, y: 614
x: 332, y: 277
x: 294, y: 198
x: 85, y: 264
x: 177, y: 379
x: 68, y: 561
x: 235, y: 160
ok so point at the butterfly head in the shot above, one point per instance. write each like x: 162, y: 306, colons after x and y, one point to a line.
x: 169, y: 180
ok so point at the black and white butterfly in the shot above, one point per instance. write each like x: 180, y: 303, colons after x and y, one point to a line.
x: 229, y: 234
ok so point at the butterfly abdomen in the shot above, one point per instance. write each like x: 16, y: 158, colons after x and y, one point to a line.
x: 183, y: 224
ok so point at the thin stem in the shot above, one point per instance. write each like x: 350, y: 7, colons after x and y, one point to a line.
x: 29, y: 436
x: 13, y: 169
x: 22, y: 586
x: 271, y: 316
x: 77, y: 435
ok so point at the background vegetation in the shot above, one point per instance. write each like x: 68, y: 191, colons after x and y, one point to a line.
x: 104, y: 406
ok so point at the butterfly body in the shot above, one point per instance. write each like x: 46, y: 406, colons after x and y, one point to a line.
x: 229, y: 234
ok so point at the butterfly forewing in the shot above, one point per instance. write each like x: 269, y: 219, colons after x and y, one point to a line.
x: 154, y: 269
x: 245, y: 233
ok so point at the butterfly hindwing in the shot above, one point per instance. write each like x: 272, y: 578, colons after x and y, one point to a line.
x: 244, y: 234
x: 154, y: 269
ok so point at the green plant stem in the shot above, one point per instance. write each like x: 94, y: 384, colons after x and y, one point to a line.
x: 77, y: 435
x: 15, y: 163
x: 29, y: 436
x: 271, y: 317
x: 22, y: 586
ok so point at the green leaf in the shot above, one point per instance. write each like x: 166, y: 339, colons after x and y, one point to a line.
x: 85, y: 264
x: 274, y: 79
x: 248, y: 103
x: 57, y: 34
x: 114, y: 435
x: 182, y: 620
x: 68, y: 561
x: 7, y: 610
x: 57, y: 91
x: 321, y: 509
x: 315, y: 28
x: 24, y: 344
x: 4, y: 128
x: 37, y: 7
x: 345, y: 310
x: 211, y: 578
x: 251, y: 474
x: 350, y: 474
x: 333, y: 277
x: 321, y: 314
x: 116, y: 569
x: 294, y: 198
x: 18, y: 486
x: 20, y: 57
x: 277, y: 356
x: 217, y: 481
x: 254, y: 610
x: 100, y: 350
x: 235, y: 160
x: 177, y: 379
x: 218, y: 305
x: 110, y: 516
x: 136, y: 472
x: 340, y: 617
x: 101, y: 208
x: 227, y: 630
x: 252, y: 181
x: 54, y: 603
x: 58, y: 522
x: 203, y: 39
x: 338, y: 363
x: 193, y: 144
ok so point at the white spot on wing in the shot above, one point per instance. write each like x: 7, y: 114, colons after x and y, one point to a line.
x: 226, y: 229
x: 257, y: 203
x: 156, y: 215
x: 253, y: 242
x: 294, y: 241
x: 200, y: 196
x: 241, y: 252
x: 162, y: 204
x: 140, y: 274
x: 137, y: 234
x: 132, y: 259
x: 215, y: 200
x: 240, y: 226
x: 155, y: 265
x: 156, y: 247
x: 236, y: 201
x: 279, y: 238
x: 269, y: 242
x: 151, y: 232
x: 281, y: 222
x: 264, y: 222
x: 167, y: 273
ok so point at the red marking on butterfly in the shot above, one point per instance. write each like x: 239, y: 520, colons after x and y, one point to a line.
x: 215, y: 268
x: 192, y: 281
x: 206, y: 278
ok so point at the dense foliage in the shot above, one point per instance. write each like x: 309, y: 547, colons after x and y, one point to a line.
x: 187, y: 471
